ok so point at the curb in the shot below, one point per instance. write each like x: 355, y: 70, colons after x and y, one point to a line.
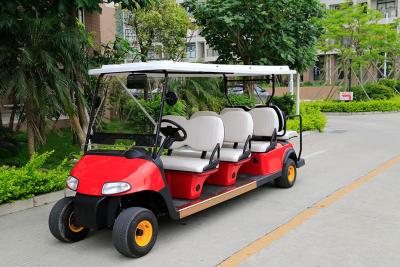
x: 36, y: 201
x: 359, y: 113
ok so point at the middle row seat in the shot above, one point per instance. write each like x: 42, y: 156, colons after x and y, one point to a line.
x: 238, y: 128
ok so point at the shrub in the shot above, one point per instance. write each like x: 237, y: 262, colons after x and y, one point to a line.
x: 379, y: 90
x: 31, y: 179
x: 313, y: 119
x: 361, y: 106
x: 138, y: 119
x: 391, y: 83
x: 241, y: 100
x: 285, y: 103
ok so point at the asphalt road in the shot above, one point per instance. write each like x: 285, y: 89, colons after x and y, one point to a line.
x: 361, y: 227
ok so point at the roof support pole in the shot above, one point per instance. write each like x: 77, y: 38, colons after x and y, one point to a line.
x: 291, y: 85
x: 298, y: 95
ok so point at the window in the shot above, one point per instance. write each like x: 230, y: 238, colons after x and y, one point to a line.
x: 387, y: 7
x: 191, y: 50
x: 212, y: 53
x: 129, y: 35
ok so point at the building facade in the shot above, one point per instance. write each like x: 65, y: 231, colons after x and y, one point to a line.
x: 326, y: 68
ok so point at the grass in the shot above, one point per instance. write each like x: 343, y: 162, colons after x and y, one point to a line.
x: 60, y: 141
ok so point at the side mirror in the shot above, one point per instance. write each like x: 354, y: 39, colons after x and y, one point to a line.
x: 136, y: 81
x: 171, y: 98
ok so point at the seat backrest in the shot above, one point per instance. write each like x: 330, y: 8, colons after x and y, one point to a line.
x: 205, y: 132
x: 182, y: 121
x: 230, y: 109
x: 204, y: 113
x: 281, y: 117
x: 265, y: 121
x: 238, y: 125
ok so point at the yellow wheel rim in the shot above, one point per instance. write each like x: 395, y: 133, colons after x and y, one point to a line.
x: 143, y: 233
x: 72, y: 226
x: 291, y: 173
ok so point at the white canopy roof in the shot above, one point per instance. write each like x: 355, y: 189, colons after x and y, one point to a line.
x: 185, y: 69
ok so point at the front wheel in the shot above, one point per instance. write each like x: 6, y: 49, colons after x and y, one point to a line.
x: 135, y: 232
x: 289, y: 173
x: 62, y: 222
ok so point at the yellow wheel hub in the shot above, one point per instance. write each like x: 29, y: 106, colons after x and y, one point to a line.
x: 291, y: 173
x: 72, y: 226
x: 143, y: 233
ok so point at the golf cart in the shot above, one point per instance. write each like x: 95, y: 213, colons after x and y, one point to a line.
x: 184, y: 166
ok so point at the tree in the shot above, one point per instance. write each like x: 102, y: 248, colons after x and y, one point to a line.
x: 160, y: 27
x: 34, y: 75
x: 270, y: 32
x: 356, y: 34
x: 45, y: 61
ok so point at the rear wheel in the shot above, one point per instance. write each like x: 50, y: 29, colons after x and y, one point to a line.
x: 289, y: 173
x: 62, y: 222
x: 135, y: 232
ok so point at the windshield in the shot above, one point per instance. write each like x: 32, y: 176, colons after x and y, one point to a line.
x: 125, y: 117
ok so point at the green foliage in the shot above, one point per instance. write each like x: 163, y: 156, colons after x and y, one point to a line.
x: 60, y: 141
x: 362, y: 106
x: 355, y: 32
x: 391, y: 83
x: 273, y: 32
x: 285, y: 103
x: 164, y: 22
x: 113, y: 53
x: 140, y: 123
x: 374, y: 91
x: 242, y: 100
x: 9, y: 144
x: 31, y: 179
x: 198, y: 93
x: 313, y: 119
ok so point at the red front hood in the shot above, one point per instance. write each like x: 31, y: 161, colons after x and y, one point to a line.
x: 93, y: 171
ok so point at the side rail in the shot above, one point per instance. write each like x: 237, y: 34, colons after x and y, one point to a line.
x: 301, y: 132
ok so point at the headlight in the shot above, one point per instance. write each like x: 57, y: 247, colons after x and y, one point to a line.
x: 115, y: 188
x: 72, y: 183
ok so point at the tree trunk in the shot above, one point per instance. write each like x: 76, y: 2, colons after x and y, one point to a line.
x: 31, y: 140
x: 83, y: 115
x: 77, y: 129
x: 30, y: 124
x: 1, y: 119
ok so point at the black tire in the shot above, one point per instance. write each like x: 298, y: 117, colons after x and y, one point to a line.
x: 126, y: 231
x: 61, y: 222
x: 287, y: 179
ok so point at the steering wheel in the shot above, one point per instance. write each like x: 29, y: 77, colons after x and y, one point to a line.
x: 173, y: 133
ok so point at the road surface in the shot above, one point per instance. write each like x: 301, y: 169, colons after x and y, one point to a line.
x: 266, y: 227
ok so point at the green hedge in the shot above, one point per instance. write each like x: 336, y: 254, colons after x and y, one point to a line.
x: 361, y: 106
x: 313, y: 119
x: 31, y: 179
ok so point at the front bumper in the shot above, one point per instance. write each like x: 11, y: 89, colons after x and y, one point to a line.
x: 95, y: 212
